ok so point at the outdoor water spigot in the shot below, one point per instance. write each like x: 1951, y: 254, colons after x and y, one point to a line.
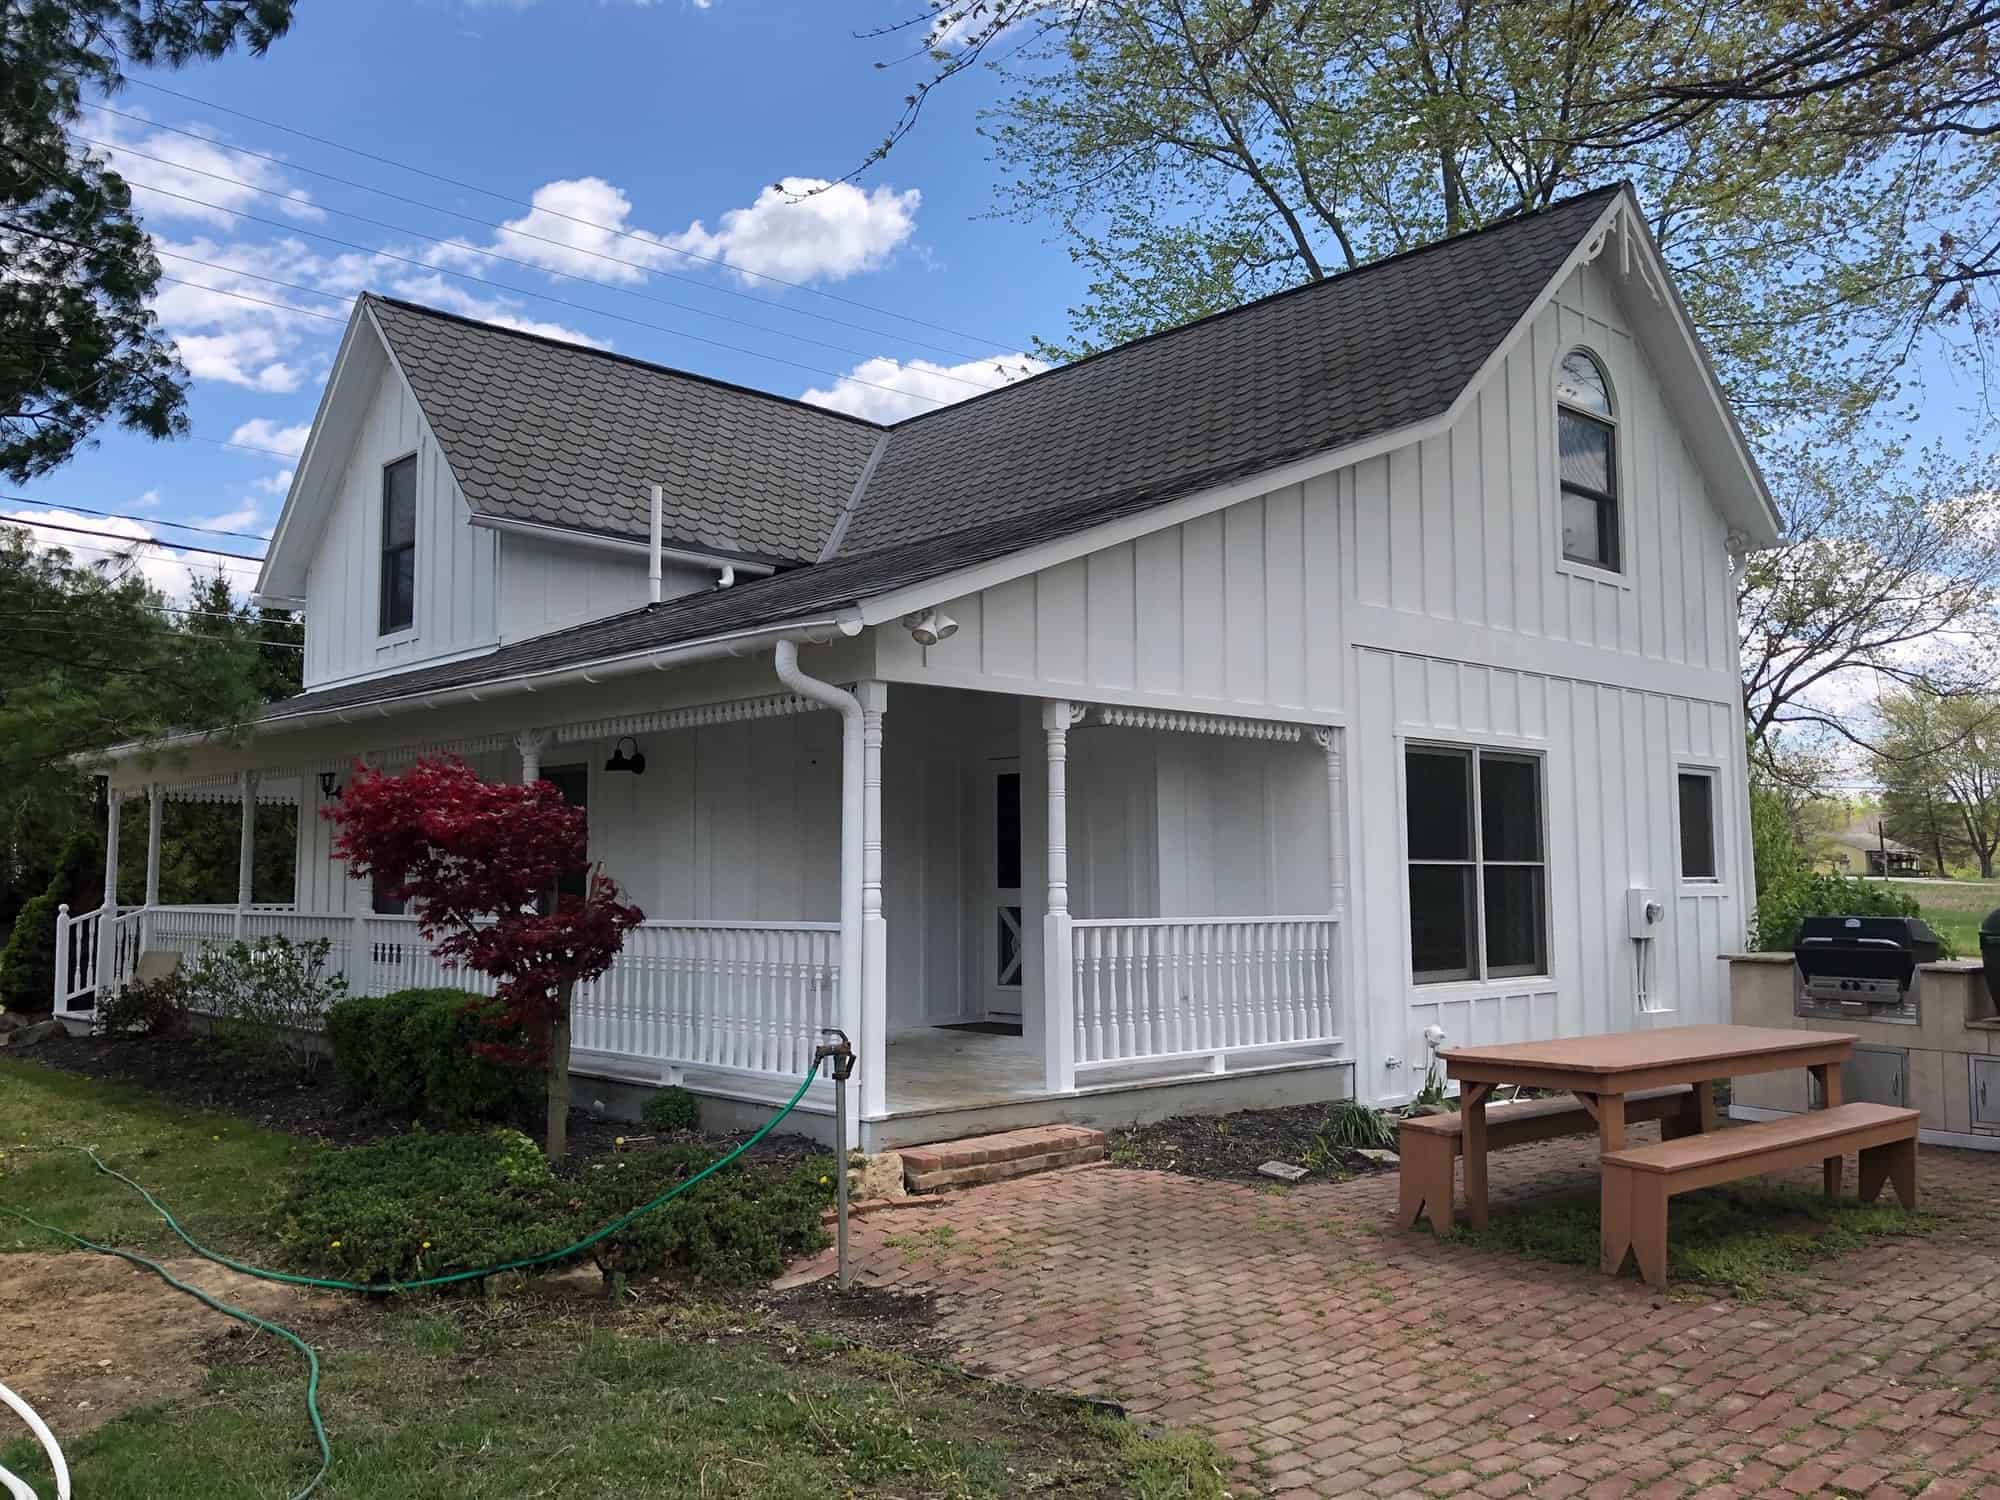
x: 841, y: 1053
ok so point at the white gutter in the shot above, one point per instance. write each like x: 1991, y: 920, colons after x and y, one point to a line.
x: 653, y: 559
x: 851, y: 832
x: 563, y: 536
x: 815, y: 631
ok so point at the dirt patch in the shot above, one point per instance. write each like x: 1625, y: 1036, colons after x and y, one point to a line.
x: 1230, y: 1148
x: 904, y: 1321
x: 85, y: 1337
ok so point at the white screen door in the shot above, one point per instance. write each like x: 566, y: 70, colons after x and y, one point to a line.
x: 1003, y: 952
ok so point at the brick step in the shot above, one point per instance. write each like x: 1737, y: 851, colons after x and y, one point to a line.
x: 992, y: 1158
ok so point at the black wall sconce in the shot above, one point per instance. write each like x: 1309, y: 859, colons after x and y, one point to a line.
x: 329, y: 785
x: 620, y: 761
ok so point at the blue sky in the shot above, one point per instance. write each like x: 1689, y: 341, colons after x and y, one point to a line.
x: 672, y: 121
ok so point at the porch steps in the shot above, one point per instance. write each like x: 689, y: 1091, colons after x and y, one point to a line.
x: 993, y: 1158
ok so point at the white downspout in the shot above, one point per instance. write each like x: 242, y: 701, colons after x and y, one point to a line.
x: 653, y: 579
x: 851, y: 854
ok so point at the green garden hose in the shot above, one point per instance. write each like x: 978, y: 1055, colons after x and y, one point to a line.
x: 334, y: 1284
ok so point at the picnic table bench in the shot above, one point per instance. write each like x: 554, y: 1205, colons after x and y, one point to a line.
x: 1668, y: 1074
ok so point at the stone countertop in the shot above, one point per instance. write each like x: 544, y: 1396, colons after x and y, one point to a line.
x: 1942, y: 966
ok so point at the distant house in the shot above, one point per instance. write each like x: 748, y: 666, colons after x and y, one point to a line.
x: 1860, y: 847
x: 1219, y: 712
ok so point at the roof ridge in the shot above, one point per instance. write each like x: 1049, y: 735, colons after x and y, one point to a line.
x: 1339, y: 278
x: 569, y: 346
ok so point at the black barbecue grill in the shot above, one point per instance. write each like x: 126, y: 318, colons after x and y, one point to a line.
x: 1861, y: 968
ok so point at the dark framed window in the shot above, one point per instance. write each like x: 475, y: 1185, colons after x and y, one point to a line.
x: 1587, y: 462
x: 574, y: 784
x: 1478, y: 863
x: 380, y: 901
x: 1698, y: 841
x: 399, y: 546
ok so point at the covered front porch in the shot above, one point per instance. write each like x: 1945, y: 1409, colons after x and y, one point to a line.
x: 1019, y: 909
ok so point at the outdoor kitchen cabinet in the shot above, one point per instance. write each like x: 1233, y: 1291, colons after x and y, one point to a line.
x: 1986, y: 1093
x: 1881, y: 1075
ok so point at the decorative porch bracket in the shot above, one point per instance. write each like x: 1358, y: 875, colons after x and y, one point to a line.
x: 1116, y: 717
x: 695, y: 716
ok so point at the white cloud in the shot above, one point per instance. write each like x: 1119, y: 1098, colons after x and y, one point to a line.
x: 245, y: 356
x: 199, y: 180
x: 240, y: 519
x: 805, y: 229
x: 262, y: 432
x: 130, y: 544
x: 279, y: 483
x: 918, y: 386
x: 501, y: 311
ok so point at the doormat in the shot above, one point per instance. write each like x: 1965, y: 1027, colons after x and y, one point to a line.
x: 984, y: 1028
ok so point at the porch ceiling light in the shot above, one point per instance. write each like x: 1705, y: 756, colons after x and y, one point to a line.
x: 329, y: 785
x: 620, y: 761
x: 928, y: 627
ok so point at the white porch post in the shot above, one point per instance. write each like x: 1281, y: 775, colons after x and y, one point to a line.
x: 873, y: 1038
x: 156, y: 799
x: 530, y: 743
x: 246, y: 852
x: 1058, y: 989
x: 1329, y: 739
x: 107, y: 918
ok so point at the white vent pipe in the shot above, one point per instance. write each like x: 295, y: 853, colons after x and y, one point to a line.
x: 653, y: 579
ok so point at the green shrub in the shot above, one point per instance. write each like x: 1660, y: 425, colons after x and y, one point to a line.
x: 671, y: 1109
x: 28, y: 966
x: 740, y: 1225
x: 411, y: 1054
x: 1790, y: 899
x: 430, y: 1205
x: 152, y: 1008
x: 265, y: 1001
x: 424, y: 1205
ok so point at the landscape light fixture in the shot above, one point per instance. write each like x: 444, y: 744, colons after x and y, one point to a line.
x: 620, y: 761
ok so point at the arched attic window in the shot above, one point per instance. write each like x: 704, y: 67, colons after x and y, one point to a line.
x: 1587, y: 454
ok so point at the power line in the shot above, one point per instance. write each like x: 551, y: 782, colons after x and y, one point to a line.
x: 438, y: 270
x: 113, y: 515
x: 564, y: 245
x: 129, y: 541
x: 471, y: 187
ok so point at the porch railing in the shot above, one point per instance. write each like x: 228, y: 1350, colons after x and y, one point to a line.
x: 735, y: 997
x: 1169, y: 988
x: 78, y: 954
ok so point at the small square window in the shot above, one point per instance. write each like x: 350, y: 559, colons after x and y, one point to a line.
x: 1697, y: 806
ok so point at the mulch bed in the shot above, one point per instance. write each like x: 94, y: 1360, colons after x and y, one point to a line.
x: 1230, y: 1148
x: 184, y: 1072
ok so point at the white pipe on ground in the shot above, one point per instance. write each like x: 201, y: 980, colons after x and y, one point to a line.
x: 653, y: 579
x: 47, y: 1439
x: 851, y: 855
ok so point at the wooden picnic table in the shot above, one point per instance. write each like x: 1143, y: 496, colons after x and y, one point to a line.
x: 1602, y: 1070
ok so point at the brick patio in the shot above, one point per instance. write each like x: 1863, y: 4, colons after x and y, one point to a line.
x: 1328, y: 1354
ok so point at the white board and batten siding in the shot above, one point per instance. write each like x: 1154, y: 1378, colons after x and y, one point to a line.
x: 1233, y: 611
x: 455, y: 562
x: 1422, y: 594
x: 546, y: 585
x: 1610, y: 757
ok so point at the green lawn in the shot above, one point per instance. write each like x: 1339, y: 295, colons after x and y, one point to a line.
x: 450, y: 1399
x: 214, y: 1171
x: 1954, y: 908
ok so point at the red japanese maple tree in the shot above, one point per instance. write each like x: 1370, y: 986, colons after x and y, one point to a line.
x: 480, y: 861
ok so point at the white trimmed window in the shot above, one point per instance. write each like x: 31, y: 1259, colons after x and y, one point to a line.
x: 1587, y: 462
x: 1478, y: 863
x: 399, y: 546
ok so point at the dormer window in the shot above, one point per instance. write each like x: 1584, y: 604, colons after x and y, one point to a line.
x: 1587, y: 454
x: 399, y: 546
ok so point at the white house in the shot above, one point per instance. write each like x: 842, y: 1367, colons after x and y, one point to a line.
x: 1223, y: 710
